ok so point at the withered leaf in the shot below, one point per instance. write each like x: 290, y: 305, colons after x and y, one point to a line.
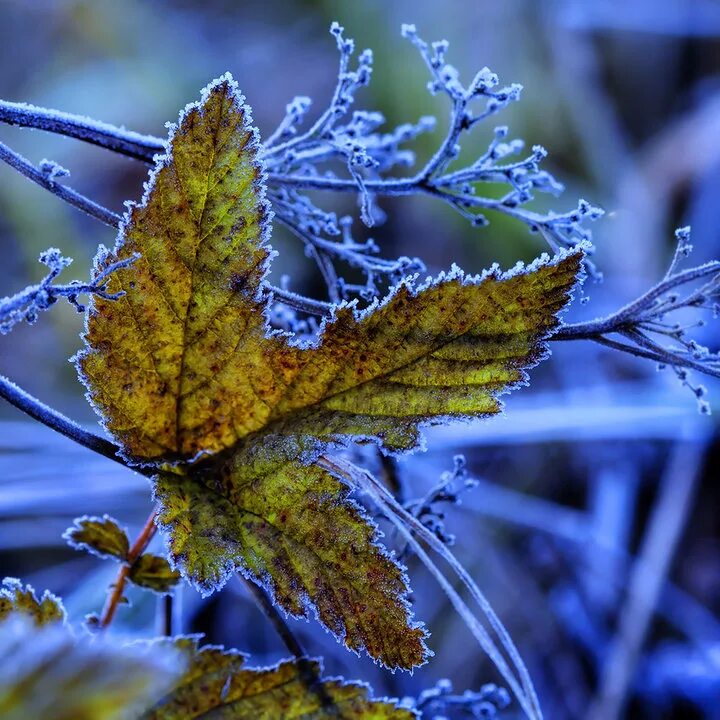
x: 185, y: 370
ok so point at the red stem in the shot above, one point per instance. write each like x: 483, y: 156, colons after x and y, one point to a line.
x: 137, y: 549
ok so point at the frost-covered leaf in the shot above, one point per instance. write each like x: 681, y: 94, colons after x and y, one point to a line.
x: 47, y: 674
x: 154, y: 573
x: 292, y: 527
x: 217, y: 685
x: 184, y: 366
x: 16, y: 599
x: 156, y: 362
x: 101, y: 536
x: 265, y: 510
x: 445, y: 349
x: 184, y: 362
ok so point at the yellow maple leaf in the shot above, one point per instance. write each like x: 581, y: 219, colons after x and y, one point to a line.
x: 184, y: 369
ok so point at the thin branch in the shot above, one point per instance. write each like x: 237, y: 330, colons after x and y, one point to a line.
x: 672, y: 357
x: 27, y: 304
x: 300, y: 302
x: 119, y: 140
x: 629, y: 315
x: 136, y: 550
x: 629, y: 349
x: 46, y: 180
x: 276, y: 619
x: 645, y: 321
x: 44, y: 414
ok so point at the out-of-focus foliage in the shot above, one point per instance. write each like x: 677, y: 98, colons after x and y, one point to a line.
x: 48, y: 673
x: 18, y: 600
x: 217, y: 683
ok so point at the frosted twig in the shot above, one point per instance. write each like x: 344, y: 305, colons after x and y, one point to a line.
x: 353, y: 142
x: 48, y: 179
x: 27, y: 304
x: 647, y: 326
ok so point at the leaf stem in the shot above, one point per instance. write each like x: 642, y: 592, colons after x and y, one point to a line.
x: 136, y: 550
x: 276, y: 619
x: 308, y: 672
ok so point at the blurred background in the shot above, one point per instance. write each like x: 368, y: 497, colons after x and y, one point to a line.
x: 595, y: 529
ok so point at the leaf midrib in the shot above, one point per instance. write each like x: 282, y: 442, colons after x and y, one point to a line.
x: 200, y: 240
x: 538, y: 337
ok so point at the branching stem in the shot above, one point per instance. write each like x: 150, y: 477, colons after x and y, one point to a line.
x: 145, y: 147
x: 136, y: 550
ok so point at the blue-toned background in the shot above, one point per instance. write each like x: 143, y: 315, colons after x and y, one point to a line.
x: 594, y: 530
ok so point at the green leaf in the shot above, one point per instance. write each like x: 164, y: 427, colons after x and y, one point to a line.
x: 217, y: 685
x: 154, y: 573
x: 18, y: 600
x: 47, y: 674
x: 184, y: 370
x: 99, y: 536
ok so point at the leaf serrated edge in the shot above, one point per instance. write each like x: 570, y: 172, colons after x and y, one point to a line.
x: 229, y: 568
x: 79, y: 545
